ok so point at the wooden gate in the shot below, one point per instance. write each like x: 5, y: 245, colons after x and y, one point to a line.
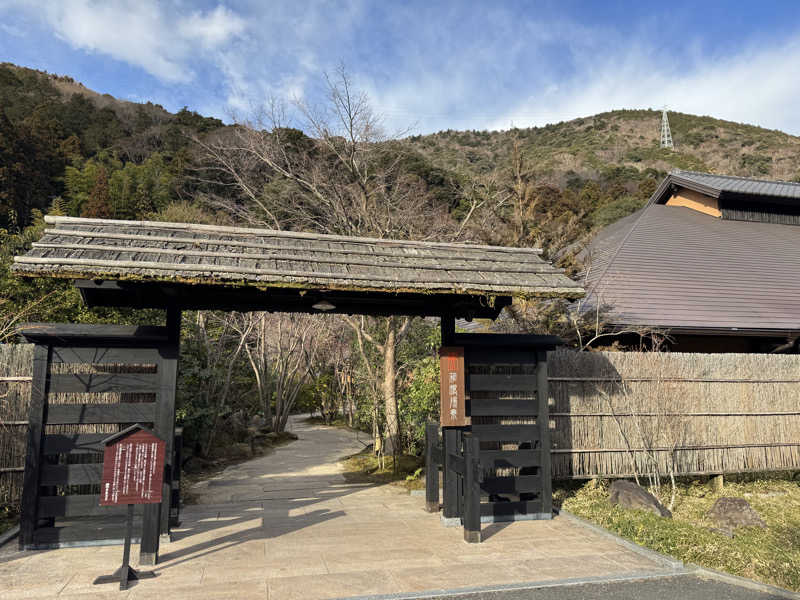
x: 501, y: 461
x: 90, y: 381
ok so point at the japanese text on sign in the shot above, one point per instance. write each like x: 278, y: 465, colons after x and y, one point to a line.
x: 133, y: 470
x: 453, y: 401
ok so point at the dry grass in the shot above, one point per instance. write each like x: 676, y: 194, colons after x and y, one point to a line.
x: 770, y: 555
x: 365, y: 467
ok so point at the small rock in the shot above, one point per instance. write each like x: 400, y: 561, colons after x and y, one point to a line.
x: 732, y: 513
x: 726, y: 532
x: 629, y: 495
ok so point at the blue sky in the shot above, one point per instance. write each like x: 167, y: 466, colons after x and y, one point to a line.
x: 430, y: 65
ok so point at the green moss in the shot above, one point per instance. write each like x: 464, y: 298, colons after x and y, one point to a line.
x: 770, y: 555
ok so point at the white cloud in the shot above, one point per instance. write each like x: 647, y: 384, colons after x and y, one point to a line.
x: 756, y: 85
x: 211, y: 29
x: 143, y: 33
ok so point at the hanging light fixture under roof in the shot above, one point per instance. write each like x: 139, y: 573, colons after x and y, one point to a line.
x: 323, y: 305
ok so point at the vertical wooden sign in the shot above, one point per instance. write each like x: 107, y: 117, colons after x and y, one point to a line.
x: 452, y: 405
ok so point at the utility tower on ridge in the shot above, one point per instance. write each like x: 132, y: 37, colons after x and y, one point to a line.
x: 666, y: 134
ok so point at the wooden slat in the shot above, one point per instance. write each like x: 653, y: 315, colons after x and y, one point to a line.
x: 508, y: 341
x: 83, y: 533
x: 512, y: 485
x: 502, y: 383
x: 105, y: 356
x: 77, y: 506
x: 510, y: 458
x: 74, y: 443
x: 506, y: 433
x: 70, y: 414
x: 503, y: 509
x: 71, y: 474
x: 477, y: 355
x: 105, y: 382
x: 504, y: 408
x: 456, y: 463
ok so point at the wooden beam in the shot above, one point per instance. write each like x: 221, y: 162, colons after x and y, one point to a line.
x: 88, y: 414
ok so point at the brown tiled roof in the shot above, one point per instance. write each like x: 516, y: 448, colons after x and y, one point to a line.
x: 673, y: 267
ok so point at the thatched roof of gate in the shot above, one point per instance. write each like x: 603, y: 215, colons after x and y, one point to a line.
x: 93, y: 249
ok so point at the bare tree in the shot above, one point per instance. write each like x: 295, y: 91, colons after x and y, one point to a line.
x: 294, y: 347
x: 346, y: 177
x: 253, y: 327
x: 333, y: 369
x: 221, y: 346
x: 652, y: 430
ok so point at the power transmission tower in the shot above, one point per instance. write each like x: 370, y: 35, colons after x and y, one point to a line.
x: 666, y: 134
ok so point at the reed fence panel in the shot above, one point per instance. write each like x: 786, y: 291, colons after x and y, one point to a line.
x: 692, y: 413
x: 15, y: 393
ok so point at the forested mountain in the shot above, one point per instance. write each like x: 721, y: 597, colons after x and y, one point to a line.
x: 65, y: 146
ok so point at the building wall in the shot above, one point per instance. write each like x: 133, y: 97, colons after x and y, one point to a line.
x: 695, y: 201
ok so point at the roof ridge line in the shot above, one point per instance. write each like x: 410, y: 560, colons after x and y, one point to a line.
x: 288, y: 234
x: 739, y: 177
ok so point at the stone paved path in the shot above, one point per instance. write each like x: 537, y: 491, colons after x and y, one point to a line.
x: 288, y: 526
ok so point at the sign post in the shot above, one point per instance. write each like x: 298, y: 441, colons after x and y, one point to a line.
x: 133, y: 471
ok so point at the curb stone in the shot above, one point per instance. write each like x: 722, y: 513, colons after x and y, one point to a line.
x: 510, y: 587
x: 743, y: 582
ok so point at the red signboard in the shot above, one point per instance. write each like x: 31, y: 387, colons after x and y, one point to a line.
x: 133, y: 468
x: 452, y: 407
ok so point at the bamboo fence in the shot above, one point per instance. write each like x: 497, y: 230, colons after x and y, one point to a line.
x: 15, y: 392
x: 692, y: 413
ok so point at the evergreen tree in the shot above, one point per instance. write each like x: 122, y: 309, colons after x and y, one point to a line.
x: 98, y: 206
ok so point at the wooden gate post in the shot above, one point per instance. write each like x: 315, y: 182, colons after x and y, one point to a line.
x: 472, y: 490
x: 432, y: 460
x: 450, y: 445
x: 33, y: 457
x: 543, y: 420
x: 155, y: 520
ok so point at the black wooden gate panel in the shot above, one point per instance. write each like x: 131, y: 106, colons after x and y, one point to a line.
x: 509, y: 436
x: 508, y: 409
x: 73, y: 364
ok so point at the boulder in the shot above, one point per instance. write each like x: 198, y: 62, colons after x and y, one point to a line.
x: 629, y: 495
x: 732, y: 513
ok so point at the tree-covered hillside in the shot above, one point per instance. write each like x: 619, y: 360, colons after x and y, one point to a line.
x: 605, y: 166
x: 83, y: 153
